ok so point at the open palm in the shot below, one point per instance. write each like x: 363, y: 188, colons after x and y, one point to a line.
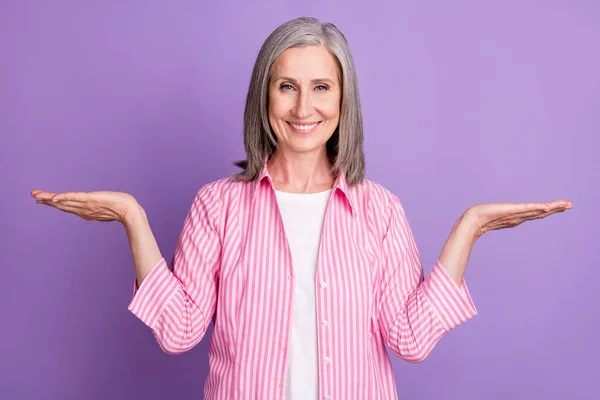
x: 102, y: 206
x: 507, y: 215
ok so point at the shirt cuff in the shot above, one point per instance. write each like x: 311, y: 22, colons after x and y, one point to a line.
x: 155, y: 292
x: 452, y: 302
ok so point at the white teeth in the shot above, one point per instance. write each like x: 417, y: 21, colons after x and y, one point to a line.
x: 304, y: 127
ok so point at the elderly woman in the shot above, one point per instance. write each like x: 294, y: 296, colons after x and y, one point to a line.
x: 306, y: 268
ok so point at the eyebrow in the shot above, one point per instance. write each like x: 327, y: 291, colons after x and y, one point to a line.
x: 287, y: 78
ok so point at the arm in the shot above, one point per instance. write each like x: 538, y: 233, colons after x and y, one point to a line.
x: 486, y: 217
x: 458, y: 246
x: 415, y: 312
x: 144, y: 248
x: 178, y: 305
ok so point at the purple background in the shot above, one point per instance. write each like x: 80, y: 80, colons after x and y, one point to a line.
x: 464, y: 103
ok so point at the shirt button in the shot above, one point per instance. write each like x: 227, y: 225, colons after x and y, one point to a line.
x: 324, y: 323
x: 323, y: 284
x: 327, y: 396
x: 327, y: 360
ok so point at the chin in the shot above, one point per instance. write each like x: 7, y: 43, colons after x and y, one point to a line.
x: 306, y: 147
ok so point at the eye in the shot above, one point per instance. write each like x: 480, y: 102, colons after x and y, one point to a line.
x: 321, y: 88
x: 286, y: 87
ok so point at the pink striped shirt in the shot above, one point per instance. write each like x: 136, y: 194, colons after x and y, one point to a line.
x: 232, y: 266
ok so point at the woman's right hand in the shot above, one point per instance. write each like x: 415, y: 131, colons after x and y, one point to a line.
x: 99, y: 206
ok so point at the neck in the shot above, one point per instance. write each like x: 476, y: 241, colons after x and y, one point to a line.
x: 301, y: 173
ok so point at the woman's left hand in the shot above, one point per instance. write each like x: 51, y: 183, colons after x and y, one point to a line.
x: 481, y: 218
x: 487, y: 217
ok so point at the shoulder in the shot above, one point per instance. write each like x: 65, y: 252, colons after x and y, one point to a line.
x: 220, y: 191
x: 213, y: 199
x: 220, y: 186
x: 378, y: 205
x: 373, y: 193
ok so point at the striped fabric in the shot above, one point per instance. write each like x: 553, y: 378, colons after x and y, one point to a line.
x: 232, y: 266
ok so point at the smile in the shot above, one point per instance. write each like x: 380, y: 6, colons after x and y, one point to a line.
x: 304, y: 128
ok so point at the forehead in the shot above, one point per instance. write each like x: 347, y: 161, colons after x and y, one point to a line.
x: 308, y: 62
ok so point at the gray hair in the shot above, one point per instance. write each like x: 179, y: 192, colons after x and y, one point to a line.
x: 345, y: 147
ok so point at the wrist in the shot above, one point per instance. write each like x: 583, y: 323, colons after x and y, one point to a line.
x: 134, y: 213
x: 470, y: 223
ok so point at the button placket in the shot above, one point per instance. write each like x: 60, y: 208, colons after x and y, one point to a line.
x: 325, y: 323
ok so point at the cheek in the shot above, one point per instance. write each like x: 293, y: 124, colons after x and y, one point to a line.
x: 330, y: 108
x: 278, y: 106
x: 331, y: 112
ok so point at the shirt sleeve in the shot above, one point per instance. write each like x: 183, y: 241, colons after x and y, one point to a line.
x: 415, y: 312
x: 179, y: 303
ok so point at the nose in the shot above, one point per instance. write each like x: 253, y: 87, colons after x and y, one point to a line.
x: 303, y: 107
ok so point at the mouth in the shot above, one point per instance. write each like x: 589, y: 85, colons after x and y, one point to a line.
x: 304, y: 128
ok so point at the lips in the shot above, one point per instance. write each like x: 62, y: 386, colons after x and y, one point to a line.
x: 304, y: 127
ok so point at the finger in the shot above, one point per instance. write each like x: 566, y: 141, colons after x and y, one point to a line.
x: 70, y: 210
x: 36, y: 192
x: 47, y: 202
x: 524, y: 208
x: 68, y: 203
x: 559, y: 210
x: 556, y: 204
x: 562, y: 204
x: 70, y: 196
x: 61, y: 206
x: 45, y: 195
x: 531, y: 215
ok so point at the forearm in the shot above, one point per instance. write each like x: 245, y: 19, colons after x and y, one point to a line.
x: 144, y: 248
x: 456, y: 251
x: 177, y: 303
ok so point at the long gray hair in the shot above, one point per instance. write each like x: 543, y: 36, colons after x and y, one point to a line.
x: 345, y: 147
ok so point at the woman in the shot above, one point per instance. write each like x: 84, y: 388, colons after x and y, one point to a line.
x: 306, y: 268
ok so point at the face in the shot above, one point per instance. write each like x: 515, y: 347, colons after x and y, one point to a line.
x: 304, y: 99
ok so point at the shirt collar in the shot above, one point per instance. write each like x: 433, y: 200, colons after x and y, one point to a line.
x: 340, y: 185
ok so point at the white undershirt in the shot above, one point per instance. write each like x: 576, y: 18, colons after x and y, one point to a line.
x: 302, y: 216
